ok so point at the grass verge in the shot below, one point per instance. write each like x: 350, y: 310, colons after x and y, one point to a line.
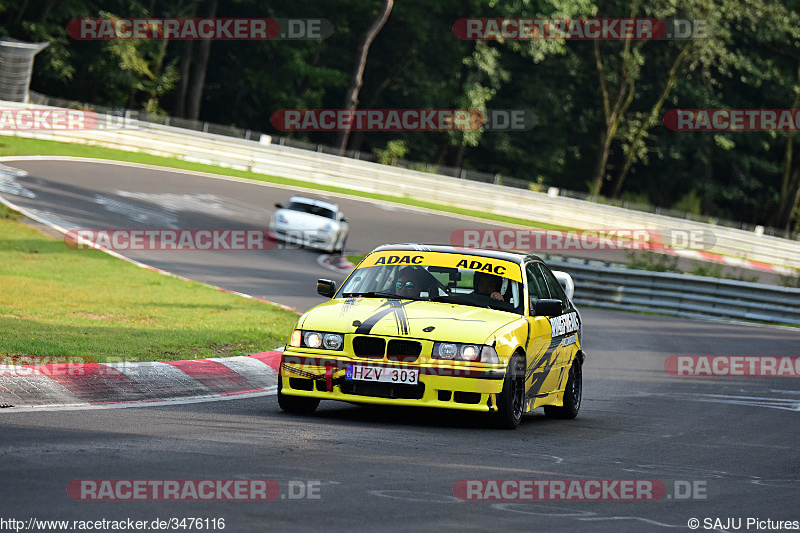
x: 88, y: 306
x: 356, y: 259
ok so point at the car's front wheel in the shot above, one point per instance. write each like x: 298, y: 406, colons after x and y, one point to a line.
x: 572, y: 395
x: 296, y: 404
x: 511, y: 402
x: 340, y: 244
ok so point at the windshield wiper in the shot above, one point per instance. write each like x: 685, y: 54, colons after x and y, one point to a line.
x: 451, y: 299
x: 377, y: 294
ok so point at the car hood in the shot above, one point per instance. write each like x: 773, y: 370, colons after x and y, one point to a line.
x: 436, y: 321
x: 299, y: 221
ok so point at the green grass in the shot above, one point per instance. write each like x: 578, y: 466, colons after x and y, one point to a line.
x: 12, y: 145
x: 86, y: 305
x: 356, y: 258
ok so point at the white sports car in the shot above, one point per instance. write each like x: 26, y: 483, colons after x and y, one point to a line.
x: 309, y: 222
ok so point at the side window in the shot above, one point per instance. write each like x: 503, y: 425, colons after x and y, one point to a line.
x: 556, y: 291
x: 537, y: 286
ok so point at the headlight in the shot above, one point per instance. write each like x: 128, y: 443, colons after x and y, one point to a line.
x: 312, y: 339
x: 464, y: 352
x: 316, y: 339
x: 445, y: 350
x: 470, y: 352
x: 333, y: 341
x: 328, y: 228
x: 280, y: 218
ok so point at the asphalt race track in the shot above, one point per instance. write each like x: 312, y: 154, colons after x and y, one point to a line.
x: 723, y: 448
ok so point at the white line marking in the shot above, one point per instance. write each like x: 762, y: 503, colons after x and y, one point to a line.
x: 138, y: 212
x: 201, y: 203
x: 785, y: 404
x: 161, y: 403
x: 414, y: 496
x: 586, y: 516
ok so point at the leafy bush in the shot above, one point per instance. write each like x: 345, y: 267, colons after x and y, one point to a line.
x: 395, y: 150
x: 652, y: 261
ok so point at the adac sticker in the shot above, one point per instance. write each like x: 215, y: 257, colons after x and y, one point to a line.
x: 482, y: 266
x: 499, y: 267
x: 400, y: 260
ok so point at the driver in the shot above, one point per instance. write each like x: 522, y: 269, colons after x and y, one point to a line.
x: 409, y: 283
x: 488, y: 285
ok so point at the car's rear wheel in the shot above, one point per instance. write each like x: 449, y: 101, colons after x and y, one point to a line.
x: 296, y: 404
x: 511, y: 402
x: 572, y: 395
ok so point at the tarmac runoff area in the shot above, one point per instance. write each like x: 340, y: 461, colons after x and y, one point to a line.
x: 104, y: 385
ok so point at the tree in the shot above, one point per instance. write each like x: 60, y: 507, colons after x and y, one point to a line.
x: 357, y: 78
x: 195, y: 90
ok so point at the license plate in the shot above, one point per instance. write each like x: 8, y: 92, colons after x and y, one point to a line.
x: 382, y: 374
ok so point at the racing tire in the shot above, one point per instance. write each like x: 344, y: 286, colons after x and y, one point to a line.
x: 511, y: 401
x: 296, y: 404
x: 339, y: 250
x: 572, y: 395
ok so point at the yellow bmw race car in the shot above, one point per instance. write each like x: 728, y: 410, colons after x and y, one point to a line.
x: 439, y: 326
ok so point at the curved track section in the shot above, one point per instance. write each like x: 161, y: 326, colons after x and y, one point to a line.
x: 722, y: 448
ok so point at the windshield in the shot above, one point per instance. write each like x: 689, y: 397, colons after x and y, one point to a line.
x: 312, y: 209
x: 432, y: 282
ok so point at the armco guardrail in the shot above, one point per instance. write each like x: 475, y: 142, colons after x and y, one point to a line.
x: 681, y: 294
x: 325, y: 169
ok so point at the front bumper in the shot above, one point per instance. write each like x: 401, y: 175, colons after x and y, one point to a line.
x: 443, y: 384
x: 310, y: 238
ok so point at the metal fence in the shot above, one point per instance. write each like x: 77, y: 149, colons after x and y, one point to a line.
x: 738, y: 247
x: 680, y: 294
x: 278, y: 140
x: 442, y: 170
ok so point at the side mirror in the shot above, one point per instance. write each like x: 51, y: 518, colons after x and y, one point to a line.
x: 345, y: 220
x: 547, y: 307
x: 565, y: 280
x: 327, y: 288
x: 279, y: 205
